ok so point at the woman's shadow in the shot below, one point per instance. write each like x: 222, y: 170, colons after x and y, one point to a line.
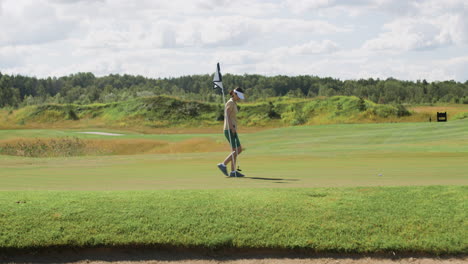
x: 275, y: 180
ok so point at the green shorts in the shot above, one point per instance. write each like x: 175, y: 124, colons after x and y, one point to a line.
x: 235, y: 142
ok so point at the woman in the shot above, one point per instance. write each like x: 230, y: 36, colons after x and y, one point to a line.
x: 230, y: 131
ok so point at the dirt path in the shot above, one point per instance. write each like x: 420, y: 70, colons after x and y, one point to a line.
x: 101, y: 133
x: 171, y: 256
x: 148, y: 256
x: 294, y: 261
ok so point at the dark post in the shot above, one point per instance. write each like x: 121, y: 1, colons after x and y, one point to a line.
x: 442, y: 117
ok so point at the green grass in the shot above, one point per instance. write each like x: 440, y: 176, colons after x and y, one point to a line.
x: 309, y: 156
x: 359, y: 220
x: 332, y: 188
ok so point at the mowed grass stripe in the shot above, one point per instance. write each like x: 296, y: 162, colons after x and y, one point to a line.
x: 365, y: 135
x: 309, y: 156
x: 157, y: 172
x: 361, y: 220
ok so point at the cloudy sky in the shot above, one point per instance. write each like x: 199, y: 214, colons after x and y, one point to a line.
x: 345, y: 39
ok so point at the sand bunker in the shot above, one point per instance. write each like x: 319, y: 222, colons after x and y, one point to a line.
x: 101, y: 133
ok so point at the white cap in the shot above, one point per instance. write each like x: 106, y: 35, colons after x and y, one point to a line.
x: 241, y: 95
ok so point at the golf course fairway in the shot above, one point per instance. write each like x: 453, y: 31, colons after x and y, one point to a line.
x: 364, y: 188
x: 392, y: 154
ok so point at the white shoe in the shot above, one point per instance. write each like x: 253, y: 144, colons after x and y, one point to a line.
x: 223, y: 168
x: 236, y: 174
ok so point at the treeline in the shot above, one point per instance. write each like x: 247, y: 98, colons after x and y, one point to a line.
x: 85, y: 88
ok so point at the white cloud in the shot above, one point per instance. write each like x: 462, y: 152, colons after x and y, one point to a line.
x: 313, y: 47
x: 310, y: 48
x: 382, y: 68
x: 34, y: 23
x: 429, y: 24
x: 400, y: 68
x: 239, y: 30
x: 212, y: 4
x: 436, y: 7
x: 223, y: 31
x: 238, y: 57
x: 305, y: 26
x: 244, y: 7
x: 408, y: 34
x: 195, y: 32
x: 13, y: 56
x: 456, y: 67
x: 339, y: 38
x: 76, y: 1
x: 454, y: 29
x: 349, y: 7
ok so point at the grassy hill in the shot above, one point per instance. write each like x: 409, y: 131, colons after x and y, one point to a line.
x: 163, y: 112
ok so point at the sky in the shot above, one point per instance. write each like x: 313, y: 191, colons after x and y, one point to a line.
x: 344, y: 39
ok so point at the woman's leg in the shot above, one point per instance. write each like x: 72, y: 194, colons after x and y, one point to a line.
x: 232, y: 158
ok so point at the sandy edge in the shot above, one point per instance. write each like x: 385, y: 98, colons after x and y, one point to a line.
x: 294, y: 261
x: 257, y: 260
x: 101, y: 133
x: 162, y: 256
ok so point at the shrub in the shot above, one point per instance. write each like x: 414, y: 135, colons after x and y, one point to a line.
x: 190, y: 109
x: 362, y: 105
x: 461, y: 115
x: 220, y: 115
x: 339, y: 106
x: 258, y: 120
x: 384, y: 111
x: 299, y: 120
x: 402, y: 111
x: 294, y: 115
x: 72, y: 115
x: 271, y: 111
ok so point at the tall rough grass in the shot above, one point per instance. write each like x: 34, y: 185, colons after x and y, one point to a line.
x: 73, y: 146
x: 168, y: 112
x: 61, y: 147
x: 321, y: 110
